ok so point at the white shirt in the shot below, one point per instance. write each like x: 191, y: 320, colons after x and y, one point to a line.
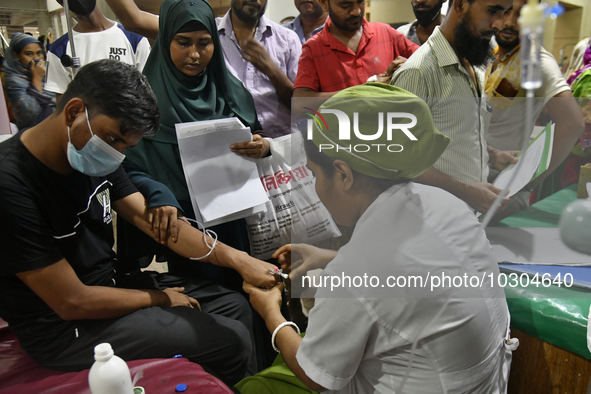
x: 361, y: 344
x: 113, y: 43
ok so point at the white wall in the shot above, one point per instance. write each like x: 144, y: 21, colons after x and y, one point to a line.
x: 279, y: 9
x: 395, y: 11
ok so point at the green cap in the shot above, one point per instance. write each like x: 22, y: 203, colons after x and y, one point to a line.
x: 409, y: 142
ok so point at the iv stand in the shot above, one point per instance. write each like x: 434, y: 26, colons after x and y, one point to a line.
x: 74, y: 61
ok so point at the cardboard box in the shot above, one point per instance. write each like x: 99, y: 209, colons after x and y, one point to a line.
x: 584, y: 177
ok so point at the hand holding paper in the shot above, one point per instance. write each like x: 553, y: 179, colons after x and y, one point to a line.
x: 500, y: 159
x: 223, y: 186
x: 536, y: 160
x: 256, y: 148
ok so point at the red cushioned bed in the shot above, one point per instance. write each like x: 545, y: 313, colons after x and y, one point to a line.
x: 19, y: 374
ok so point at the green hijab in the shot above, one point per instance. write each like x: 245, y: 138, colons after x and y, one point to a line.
x: 213, y: 95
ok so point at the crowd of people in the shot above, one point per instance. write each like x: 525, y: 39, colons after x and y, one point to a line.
x: 102, y: 138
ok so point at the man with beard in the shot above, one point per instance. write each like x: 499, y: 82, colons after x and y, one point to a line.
x: 446, y: 72
x: 95, y: 38
x: 348, y: 51
x: 428, y: 14
x: 310, y: 20
x: 508, y: 101
x: 264, y: 56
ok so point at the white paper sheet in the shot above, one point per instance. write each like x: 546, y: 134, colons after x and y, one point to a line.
x: 531, y: 159
x: 221, y: 183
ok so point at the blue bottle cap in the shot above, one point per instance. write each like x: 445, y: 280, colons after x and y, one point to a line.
x: 180, y: 388
x: 178, y: 356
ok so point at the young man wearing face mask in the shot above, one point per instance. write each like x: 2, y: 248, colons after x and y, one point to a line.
x: 95, y: 38
x: 447, y: 73
x: 428, y: 14
x: 60, y: 291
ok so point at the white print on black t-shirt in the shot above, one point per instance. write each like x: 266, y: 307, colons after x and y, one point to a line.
x: 115, y: 52
x: 104, y: 198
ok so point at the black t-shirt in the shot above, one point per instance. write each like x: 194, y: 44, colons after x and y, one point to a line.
x: 44, y: 218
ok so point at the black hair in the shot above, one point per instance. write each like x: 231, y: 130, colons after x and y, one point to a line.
x: 117, y: 90
x: 326, y: 166
x: 319, y: 158
x: 192, y: 26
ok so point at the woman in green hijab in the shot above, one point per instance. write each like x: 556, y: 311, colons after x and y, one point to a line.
x: 187, y: 72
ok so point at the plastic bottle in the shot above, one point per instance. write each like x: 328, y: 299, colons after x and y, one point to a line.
x: 109, y: 374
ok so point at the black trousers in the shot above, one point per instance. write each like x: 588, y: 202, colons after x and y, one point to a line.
x: 219, y: 337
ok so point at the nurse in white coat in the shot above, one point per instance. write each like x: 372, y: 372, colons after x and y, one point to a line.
x: 385, y: 300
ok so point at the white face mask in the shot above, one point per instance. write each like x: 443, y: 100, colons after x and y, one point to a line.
x: 97, y: 158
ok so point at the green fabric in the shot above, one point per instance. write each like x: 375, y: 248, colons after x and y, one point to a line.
x: 581, y: 87
x: 552, y: 183
x: 544, y: 213
x: 554, y: 314
x: 278, y: 378
x: 368, y: 101
x: 213, y: 95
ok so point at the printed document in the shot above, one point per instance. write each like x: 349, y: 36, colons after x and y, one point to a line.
x: 223, y: 185
x: 534, y: 161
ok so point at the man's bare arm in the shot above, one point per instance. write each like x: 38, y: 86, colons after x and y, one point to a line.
x: 60, y: 288
x: 134, y: 19
x: 570, y: 124
x: 190, y: 243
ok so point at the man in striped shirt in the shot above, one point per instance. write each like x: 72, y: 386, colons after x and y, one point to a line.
x: 447, y: 73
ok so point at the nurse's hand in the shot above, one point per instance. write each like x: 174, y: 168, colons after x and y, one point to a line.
x: 301, y: 258
x: 164, y: 223
x: 265, y: 301
x: 257, y: 272
x: 257, y: 148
